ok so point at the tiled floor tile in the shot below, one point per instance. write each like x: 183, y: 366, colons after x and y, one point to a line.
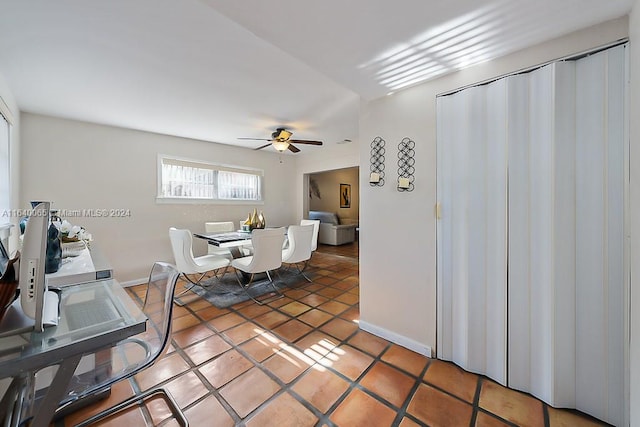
x: 353, y: 314
x: 484, y: 419
x: 295, y: 308
x: 361, y: 410
x: 296, y: 294
x: 329, y: 292
x: 368, y: 343
x: 254, y: 310
x: 283, y: 411
x: 280, y: 302
x: 339, y: 328
x: 271, y: 319
x: 453, y: 379
x: 292, y: 330
x: 162, y: 370
x: 225, y: 368
x: 408, y: 422
x: 315, y: 317
x: 211, y: 312
x: 389, y: 383
x: 316, y: 345
x: 347, y: 298
x: 288, y: 364
x: 262, y: 346
x: 191, y: 335
x: 561, y: 418
x: 207, y: 349
x: 249, y: 391
x: 313, y: 300
x: 436, y: 408
x: 226, y: 321
x: 184, y: 322
x: 347, y: 360
x: 202, y: 414
x: 320, y: 387
x: 243, y: 332
x: 511, y: 405
x: 405, y: 359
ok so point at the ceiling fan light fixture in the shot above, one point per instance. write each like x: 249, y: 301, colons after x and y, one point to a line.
x: 280, y: 145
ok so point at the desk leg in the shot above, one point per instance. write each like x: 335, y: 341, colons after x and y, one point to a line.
x: 56, y: 391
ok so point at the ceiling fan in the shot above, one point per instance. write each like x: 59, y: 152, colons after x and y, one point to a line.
x: 280, y: 139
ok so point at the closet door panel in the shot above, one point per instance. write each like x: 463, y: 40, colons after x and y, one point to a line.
x: 472, y: 250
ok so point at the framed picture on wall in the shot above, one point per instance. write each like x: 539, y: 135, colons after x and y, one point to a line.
x: 345, y: 195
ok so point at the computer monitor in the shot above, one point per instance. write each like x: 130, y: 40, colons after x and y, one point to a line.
x: 31, y: 279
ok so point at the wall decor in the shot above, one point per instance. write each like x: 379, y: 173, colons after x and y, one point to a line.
x: 406, y: 164
x: 345, y: 195
x: 376, y: 175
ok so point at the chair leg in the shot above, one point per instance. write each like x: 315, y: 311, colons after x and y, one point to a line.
x: 168, y: 398
x: 264, y: 301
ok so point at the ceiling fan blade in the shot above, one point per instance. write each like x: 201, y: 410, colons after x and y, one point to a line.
x: 264, y: 146
x: 304, y: 141
x: 257, y: 139
x: 293, y: 148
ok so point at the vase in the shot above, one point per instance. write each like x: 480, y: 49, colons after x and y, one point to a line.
x: 262, y: 222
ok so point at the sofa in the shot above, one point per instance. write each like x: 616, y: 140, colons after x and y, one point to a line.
x: 332, y: 232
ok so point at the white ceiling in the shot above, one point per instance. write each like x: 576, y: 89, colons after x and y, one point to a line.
x: 220, y: 69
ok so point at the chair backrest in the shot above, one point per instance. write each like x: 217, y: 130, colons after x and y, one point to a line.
x: 134, y: 354
x: 316, y: 229
x: 219, y: 227
x: 267, y: 249
x: 300, y: 240
x: 182, y: 246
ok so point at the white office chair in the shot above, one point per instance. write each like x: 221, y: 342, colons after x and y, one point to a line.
x: 219, y: 227
x: 316, y: 229
x: 299, y: 249
x: 182, y: 246
x: 267, y: 255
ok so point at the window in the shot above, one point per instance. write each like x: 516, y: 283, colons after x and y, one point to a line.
x: 190, y: 180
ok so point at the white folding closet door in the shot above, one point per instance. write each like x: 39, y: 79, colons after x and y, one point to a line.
x: 600, y: 175
x: 472, y: 232
x: 542, y: 234
x: 563, y: 127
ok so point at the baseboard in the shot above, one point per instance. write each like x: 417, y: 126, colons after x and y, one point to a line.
x: 395, y: 338
x: 133, y: 282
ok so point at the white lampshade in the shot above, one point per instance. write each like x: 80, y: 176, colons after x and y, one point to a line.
x: 280, y: 145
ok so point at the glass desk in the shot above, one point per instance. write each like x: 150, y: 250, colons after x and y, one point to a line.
x: 111, y: 317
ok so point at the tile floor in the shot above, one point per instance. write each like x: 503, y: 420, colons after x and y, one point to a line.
x: 302, y: 361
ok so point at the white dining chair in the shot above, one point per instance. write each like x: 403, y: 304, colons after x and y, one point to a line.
x: 267, y: 256
x: 316, y: 229
x: 187, y: 264
x: 219, y: 227
x: 299, y: 249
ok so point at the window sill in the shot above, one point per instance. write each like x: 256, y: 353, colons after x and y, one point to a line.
x: 188, y: 201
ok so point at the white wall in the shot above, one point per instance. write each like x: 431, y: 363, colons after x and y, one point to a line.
x: 634, y: 133
x: 80, y: 165
x: 398, y: 243
x: 14, y: 153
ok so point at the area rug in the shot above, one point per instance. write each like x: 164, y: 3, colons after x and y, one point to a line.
x: 226, y: 292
